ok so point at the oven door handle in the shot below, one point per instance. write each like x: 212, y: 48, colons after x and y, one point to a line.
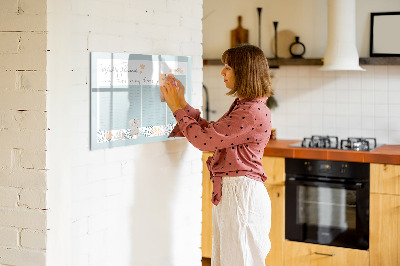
x: 357, y: 185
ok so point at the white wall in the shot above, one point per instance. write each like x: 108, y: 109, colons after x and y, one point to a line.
x: 306, y: 19
x: 23, y: 133
x: 311, y: 102
x: 136, y: 205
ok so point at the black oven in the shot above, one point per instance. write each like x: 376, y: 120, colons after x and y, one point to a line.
x: 327, y: 202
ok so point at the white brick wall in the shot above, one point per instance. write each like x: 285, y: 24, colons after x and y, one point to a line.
x: 135, y: 205
x: 110, y: 207
x: 23, y: 132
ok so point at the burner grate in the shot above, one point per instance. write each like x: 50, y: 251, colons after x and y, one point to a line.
x: 332, y: 142
x: 358, y: 144
x: 327, y: 142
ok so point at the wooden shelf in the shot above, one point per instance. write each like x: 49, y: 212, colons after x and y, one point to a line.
x: 380, y: 61
x: 274, y: 63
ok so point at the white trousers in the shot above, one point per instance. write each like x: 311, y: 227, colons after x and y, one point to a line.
x: 241, y: 223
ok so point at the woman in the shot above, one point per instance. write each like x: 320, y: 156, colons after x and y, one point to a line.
x: 242, y: 208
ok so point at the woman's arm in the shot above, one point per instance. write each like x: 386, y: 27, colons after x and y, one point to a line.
x: 174, y: 93
x: 238, y: 128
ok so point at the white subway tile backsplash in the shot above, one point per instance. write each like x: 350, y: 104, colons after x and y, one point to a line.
x: 355, y: 122
x: 355, y: 132
x: 367, y: 110
x: 382, y: 136
x: 394, y: 137
x: 381, y: 97
x: 367, y: 82
x: 328, y: 74
x: 347, y: 103
x: 342, y: 122
x: 381, y: 84
x: 368, y: 122
x: 393, y: 71
x: 394, y: 110
x: 304, y: 82
x: 329, y: 109
x: 316, y: 72
x: 381, y: 123
x: 292, y: 83
x: 355, y: 96
x: 381, y: 71
x: 316, y: 82
x: 342, y: 81
x: 394, y: 97
x: 329, y: 123
x: 329, y: 93
x: 291, y: 71
x: 355, y: 109
x: 367, y: 133
x: 394, y: 82
x: 394, y: 123
x: 342, y: 96
x: 382, y: 110
x: 354, y: 80
x: 317, y: 120
x: 304, y: 72
x: 342, y: 109
x: 367, y: 96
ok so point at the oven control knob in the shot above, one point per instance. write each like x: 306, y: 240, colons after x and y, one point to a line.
x: 343, y: 168
x: 308, y: 166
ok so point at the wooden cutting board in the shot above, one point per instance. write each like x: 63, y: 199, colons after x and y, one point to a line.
x: 239, y: 35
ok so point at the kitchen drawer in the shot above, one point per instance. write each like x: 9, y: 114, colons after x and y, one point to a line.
x: 305, y: 254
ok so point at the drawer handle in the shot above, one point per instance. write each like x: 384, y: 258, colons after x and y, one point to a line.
x: 324, y: 254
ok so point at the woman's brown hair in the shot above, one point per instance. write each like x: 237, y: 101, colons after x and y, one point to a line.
x: 250, y: 66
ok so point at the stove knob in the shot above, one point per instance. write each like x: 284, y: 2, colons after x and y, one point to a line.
x: 308, y: 166
x: 343, y: 168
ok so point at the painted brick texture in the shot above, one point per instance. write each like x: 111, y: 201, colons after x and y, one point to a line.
x: 23, y: 125
x: 135, y: 205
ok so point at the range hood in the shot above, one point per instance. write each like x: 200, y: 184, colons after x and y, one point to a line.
x: 341, y: 51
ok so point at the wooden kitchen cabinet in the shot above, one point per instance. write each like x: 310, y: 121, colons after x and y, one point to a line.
x: 385, y: 215
x: 305, y: 254
x: 385, y: 178
x: 277, y: 233
x: 384, y: 236
x: 274, y: 168
x: 206, y: 225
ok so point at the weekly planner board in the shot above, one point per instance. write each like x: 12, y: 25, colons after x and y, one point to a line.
x: 127, y: 105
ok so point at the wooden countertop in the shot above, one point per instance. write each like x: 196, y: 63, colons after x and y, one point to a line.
x: 389, y: 154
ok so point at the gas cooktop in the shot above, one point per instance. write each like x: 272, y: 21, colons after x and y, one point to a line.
x: 332, y: 142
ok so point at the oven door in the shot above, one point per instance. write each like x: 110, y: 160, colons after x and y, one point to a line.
x: 327, y: 213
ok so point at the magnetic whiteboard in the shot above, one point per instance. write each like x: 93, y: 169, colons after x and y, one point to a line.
x: 127, y: 106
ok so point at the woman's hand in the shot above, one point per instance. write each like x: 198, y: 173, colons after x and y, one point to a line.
x: 181, y: 90
x: 172, y: 90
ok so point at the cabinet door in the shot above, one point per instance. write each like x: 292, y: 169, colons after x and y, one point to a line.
x: 277, y: 233
x: 206, y: 226
x: 274, y: 168
x: 385, y: 178
x: 384, y: 230
x: 304, y: 254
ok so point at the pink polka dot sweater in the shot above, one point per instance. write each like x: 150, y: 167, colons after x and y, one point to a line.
x: 238, y: 139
